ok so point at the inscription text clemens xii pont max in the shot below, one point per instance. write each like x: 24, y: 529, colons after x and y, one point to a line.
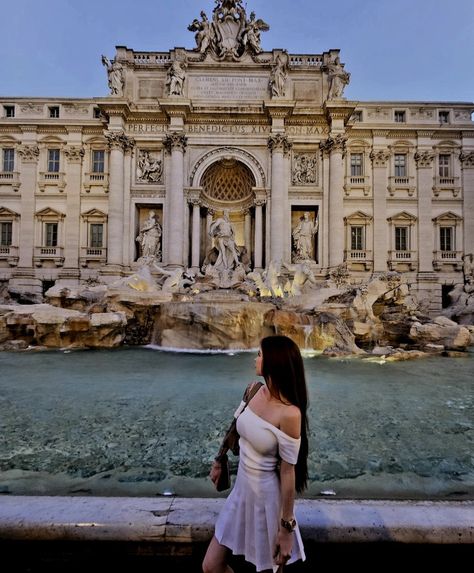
x: 228, y: 87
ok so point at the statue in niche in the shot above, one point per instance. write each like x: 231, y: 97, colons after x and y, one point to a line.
x: 222, y: 231
x: 115, y: 75
x: 303, y: 238
x: 149, y: 238
x: 338, y: 78
x: 148, y: 169
x: 176, y: 77
x: 203, y: 32
x: 278, y: 77
x: 304, y: 170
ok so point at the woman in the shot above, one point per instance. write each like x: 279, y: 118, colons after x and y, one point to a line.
x: 257, y: 520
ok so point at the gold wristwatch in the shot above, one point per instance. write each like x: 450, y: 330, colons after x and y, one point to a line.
x: 289, y: 525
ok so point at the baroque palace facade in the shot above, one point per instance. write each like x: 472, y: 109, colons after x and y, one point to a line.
x: 267, y: 136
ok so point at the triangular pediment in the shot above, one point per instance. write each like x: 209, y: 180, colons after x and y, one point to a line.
x: 94, y: 213
x: 403, y: 216
x: 49, y: 212
x: 4, y: 212
x: 448, y: 216
x: 358, y: 216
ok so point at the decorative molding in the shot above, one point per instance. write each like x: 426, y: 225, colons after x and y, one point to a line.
x: 175, y: 140
x: 279, y: 142
x: 31, y: 107
x: 336, y: 144
x: 118, y: 140
x: 305, y: 169
x: 379, y: 157
x: 467, y: 159
x: 28, y: 153
x: 74, y: 154
x: 424, y: 159
x: 222, y: 152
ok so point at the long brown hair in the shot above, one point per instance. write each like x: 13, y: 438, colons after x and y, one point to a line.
x: 283, y: 370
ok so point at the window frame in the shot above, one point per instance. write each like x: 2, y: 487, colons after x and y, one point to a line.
x: 399, y: 239
x: 357, y: 166
x: 399, y: 166
x: 451, y: 238
x: 53, y: 226
x: 357, y: 234
x: 54, y: 111
x: 9, y: 111
x: 8, y: 163
x: 447, y: 167
x: 400, y: 116
x: 91, y: 238
x: 95, y: 162
x: 4, y: 225
x: 53, y: 162
x: 443, y: 117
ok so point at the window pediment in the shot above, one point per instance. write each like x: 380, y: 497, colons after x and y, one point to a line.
x: 358, y: 218
x: 49, y: 213
x: 94, y: 215
x: 448, y: 217
x: 8, y: 214
x: 402, y: 217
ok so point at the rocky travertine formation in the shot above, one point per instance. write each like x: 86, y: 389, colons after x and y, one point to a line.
x: 180, y: 310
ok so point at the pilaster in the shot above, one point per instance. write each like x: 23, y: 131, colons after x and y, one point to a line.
x: 424, y: 164
x: 380, y: 158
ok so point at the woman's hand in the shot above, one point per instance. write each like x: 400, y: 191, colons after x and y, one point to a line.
x: 283, y: 547
x: 215, y: 472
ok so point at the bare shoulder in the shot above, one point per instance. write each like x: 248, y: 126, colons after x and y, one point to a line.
x: 290, y: 421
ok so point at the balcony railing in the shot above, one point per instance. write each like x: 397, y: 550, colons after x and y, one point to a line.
x: 447, y: 258
x: 402, y: 257
x: 98, y: 180
x: 359, y: 256
x: 446, y: 184
x: 357, y: 182
x: 10, y: 178
x: 47, y: 178
x: 9, y: 253
x: 89, y: 254
x: 401, y: 183
x: 55, y: 254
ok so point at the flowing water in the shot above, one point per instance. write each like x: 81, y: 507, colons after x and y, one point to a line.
x: 141, y: 421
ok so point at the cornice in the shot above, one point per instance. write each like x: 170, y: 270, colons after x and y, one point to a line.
x: 279, y: 109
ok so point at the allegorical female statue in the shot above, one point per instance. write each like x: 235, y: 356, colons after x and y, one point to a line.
x: 303, y: 238
x: 149, y: 238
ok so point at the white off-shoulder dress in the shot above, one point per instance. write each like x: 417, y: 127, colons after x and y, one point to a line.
x: 249, y: 521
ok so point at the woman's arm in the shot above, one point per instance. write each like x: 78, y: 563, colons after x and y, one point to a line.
x: 291, y: 425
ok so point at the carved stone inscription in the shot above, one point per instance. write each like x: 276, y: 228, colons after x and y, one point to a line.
x: 227, y: 87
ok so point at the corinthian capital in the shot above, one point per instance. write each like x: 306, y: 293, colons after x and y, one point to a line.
x: 424, y: 159
x: 175, y: 140
x: 331, y: 144
x: 28, y: 152
x: 467, y: 159
x: 118, y: 140
x: 74, y: 154
x: 279, y: 142
x: 379, y: 157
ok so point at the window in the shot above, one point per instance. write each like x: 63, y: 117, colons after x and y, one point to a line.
x: 8, y: 160
x: 357, y: 116
x: 444, y: 165
x: 96, y: 235
x: 357, y: 238
x: 446, y: 236
x: 51, y: 231
x: 443, y: 116
x: 400, y: 164
x: 96, y: 113
x: 53, y: 111
x: 53, y: 160
x: 400, y: 116
x: 401, y: 238
x: 356, y: 164
x: 6, y: 234
x: 98, y: 158
x: 9, y: 110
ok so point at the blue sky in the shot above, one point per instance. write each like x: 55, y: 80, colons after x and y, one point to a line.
x: 419, y: 50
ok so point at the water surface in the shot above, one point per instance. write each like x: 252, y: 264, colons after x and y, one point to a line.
x: 145, y: 422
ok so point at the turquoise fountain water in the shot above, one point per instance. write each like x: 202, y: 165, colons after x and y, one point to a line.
x: 144, y: 422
